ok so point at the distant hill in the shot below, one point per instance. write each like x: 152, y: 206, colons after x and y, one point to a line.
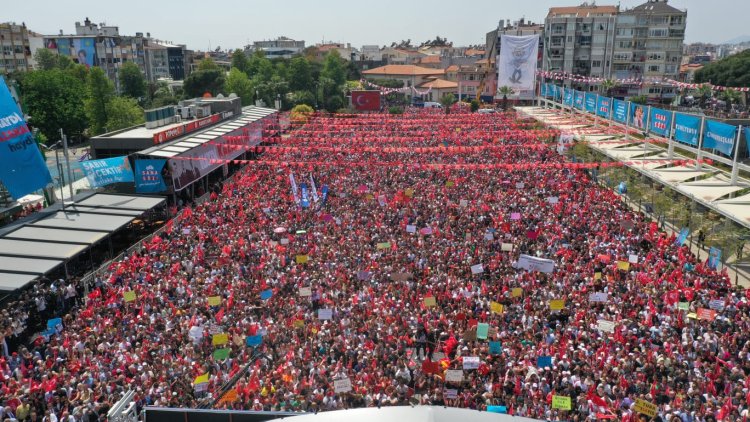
x: 738, y: 40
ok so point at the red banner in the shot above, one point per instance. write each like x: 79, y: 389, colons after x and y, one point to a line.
x: 366, y: 100
x: 177, y: 131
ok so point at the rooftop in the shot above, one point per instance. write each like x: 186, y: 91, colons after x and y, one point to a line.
x: 403, y: 69
x: 439, y: 84
x: 583, y: 11
x: 654, y: 6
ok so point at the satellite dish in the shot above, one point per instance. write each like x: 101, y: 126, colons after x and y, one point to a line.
x: 232, y: 95
x: 220, y: 96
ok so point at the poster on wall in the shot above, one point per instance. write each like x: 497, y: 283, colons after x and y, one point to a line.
x: 661, y: 122
x: 84, y: 51
x: 620, y: 111
x: 638, y: 115
x: 591, y: 102
x: 517, y: 63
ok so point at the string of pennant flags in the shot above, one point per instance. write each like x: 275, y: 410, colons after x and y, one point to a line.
x: 402, y: 90
x: 560, y: 76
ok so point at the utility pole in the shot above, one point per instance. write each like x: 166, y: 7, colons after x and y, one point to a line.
x: 67, y: 163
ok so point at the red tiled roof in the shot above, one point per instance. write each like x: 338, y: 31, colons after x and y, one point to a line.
x: 403, y: 69
x: 439, y: 84
x: 430, y: 59
x: 452, y: 68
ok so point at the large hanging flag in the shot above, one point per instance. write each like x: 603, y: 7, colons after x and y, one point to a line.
x: 305, y: 200
x: 107, y: 171
x: 148, y: 178
x: 295, y: 192
x: 22, y: 168
x: 314, y: 190
x: 518, y: 61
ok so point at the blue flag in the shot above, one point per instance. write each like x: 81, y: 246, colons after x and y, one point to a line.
x: 107, y: 171
x: 719, y: 136
x: 148, y: 178
x: 305, y: 197
x: 266, y: 294
x: 687, y: 128
x: 497, y: 409
x: 23, y: 169
x: 544, y: 361
x: 714, y: 258
x: 55, y: 324
x: 543, y: 90
x: 324, y: 195
x: 682, y: 237
x: 620, y: 111
x: 254, y: 340
x: 495, y: 348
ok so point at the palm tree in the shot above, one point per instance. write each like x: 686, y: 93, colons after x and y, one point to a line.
x: 609, y: 85
x: 447, y: 100
x: 505, y: 91
x: 730, y: 96
x: 704, y: 93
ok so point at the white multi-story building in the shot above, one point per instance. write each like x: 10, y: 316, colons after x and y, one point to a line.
x: 282, y: 47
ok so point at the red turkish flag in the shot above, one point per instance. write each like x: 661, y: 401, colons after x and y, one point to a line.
x: 366, y: 100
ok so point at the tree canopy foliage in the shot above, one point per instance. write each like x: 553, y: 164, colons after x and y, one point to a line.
x: 733, y: 71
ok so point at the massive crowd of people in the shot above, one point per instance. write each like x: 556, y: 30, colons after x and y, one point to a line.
x: 373, y: 295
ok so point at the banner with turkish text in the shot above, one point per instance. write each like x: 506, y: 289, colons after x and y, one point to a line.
x: 719, y: 136
x: 687, y: 128
x: 603, y: 106
x: 620, y: 111
x: 148, y: 176
x: 661, y: 122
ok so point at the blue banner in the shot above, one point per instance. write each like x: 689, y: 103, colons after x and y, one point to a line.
x: 686, y: 128
x: 568, y: 97
x: 148, y: 178
x: 555, y: 92
x: 107, y: 171
x: 682, y: 236
x: 603, y: 106
x: 579, y: 99
x: 747, y: 138
x: 719, y: 136
x: 543, y: 89
x: 323, y: 195
x: 591, y: 102
x: 305, y: 199
x: 638, y: 115
x: 24, y: 170
x: 661, y: 122
x: 620, y: 111
x: 714, y: 258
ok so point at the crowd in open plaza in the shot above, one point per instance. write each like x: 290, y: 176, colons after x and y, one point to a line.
x: 447, y: 259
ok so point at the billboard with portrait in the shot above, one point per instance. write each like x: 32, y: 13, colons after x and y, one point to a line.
x: 84, y: 51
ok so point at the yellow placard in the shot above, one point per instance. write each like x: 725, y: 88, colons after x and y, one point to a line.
x: 298, y: 323
x: 214, y: 300
x: 409, y: 192
x: 647, y: 408
x: 561, y: 402
x: 369, y: 197
x: 129, y: 296
x: 201, y: 379
x: 230, y: 397
x: 557, y: 304
x: 220, y: 339
x: 692, y: 315
x: 496, y: 308
x: 516, y: 292
x: 429, y: 301
x: 302, y: 259
x: 449, y: 183
x: 623, y: 265
x: 597, y: 276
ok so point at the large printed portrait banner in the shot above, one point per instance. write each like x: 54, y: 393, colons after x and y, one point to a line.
x: 518, y: 61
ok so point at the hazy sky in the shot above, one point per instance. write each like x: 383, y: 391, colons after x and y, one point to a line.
x: 232, y: 23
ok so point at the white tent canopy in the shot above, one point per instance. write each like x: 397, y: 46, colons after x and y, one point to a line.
x: 407, y: 414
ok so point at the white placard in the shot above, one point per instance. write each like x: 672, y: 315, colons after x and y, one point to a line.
x: 600, y: 297
x: 438, y: 356
x: 463, y: 203
x: 532, y: 263
x: 506, y: 247
x: 305, y: 291
x: 201, y: 387
x: 471, y: 362
x: 489, y: 236
x: 552, y: 200
x: 325, y: 314
x: 633, y: 258
x: 519, y: 185
x: 716, y: 304
x: 477, y: 269
x: 342, y: 385
x: 196, y: 333
x: 411, y: 229
x: 450, y: 393
x: 454, y: 375
x: 381, y: 200
x: 284, y: 241
x: 606, y: 326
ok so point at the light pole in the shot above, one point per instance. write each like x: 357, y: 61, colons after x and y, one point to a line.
x: 59, y: 168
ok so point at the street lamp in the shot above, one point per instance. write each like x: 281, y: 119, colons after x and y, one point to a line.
x: 60, y: 178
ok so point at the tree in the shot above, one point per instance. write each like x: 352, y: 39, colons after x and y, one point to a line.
x: 208, y: 64
x: 505, y: 91
x: 301, y: 113
x: 447, y: 100
x: 161, y: 95
x: 733, y: 71
x: 474, y: 105
x: 239, y: 60
x: 55, y: 100
x: 99, y: 92
x: 123, y: 112
x: 45, y: 59
x: 704, y: 93
x: 259, y: 67
x: 201, y: 81
x: 639, y: 99
x: 238, y: 83
x: 301, y: 97
x: 730, y: 96
x: 609, y: 85
x: 334, y: 68
x: 300, y: 74
x: 132, y: 82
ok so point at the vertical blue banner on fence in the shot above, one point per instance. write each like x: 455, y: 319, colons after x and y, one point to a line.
x: 747, y: 138
x: 543, y: 89
x: 148, y: 178
x: 638, y: 115
x: 719, y: 136
x: 555, y: 92
x: 579, y: 99
x: 620, y: 111
x: 23, y: 170
x: 661, y: 122
x: 603, y: 105
x: 568, y: 97
x: 591, y: 102
x: 686, y: 128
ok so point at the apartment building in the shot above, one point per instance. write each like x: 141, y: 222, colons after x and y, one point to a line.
x: 15, y: 47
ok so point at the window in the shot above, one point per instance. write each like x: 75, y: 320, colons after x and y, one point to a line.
x: 584, y: 40
x: 656, y: 56
x: 622, y: 57
x: 675, y: 20
x: 596, y: 63
x: 625, y: 44
x: 658, y: 32
x: 654, y: 68
x: 653, y: 90
x: 625, y: 32
x: 570, y: 38
x: 659, y: 20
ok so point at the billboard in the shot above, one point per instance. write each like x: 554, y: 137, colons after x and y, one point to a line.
x: 366, y: 100
x: 620, y: 111
x: 107, y: 171
x: 518, y: 62
x: 84, y: 51
x: 719, y: 136
x: 638, y: 115
x: 686, y: 128
x: 603, y: 106
x: 24, y: 170
x: 148, y: 176
x: 63, y: 46
x: 590, y: 102
x: 661, y: 122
